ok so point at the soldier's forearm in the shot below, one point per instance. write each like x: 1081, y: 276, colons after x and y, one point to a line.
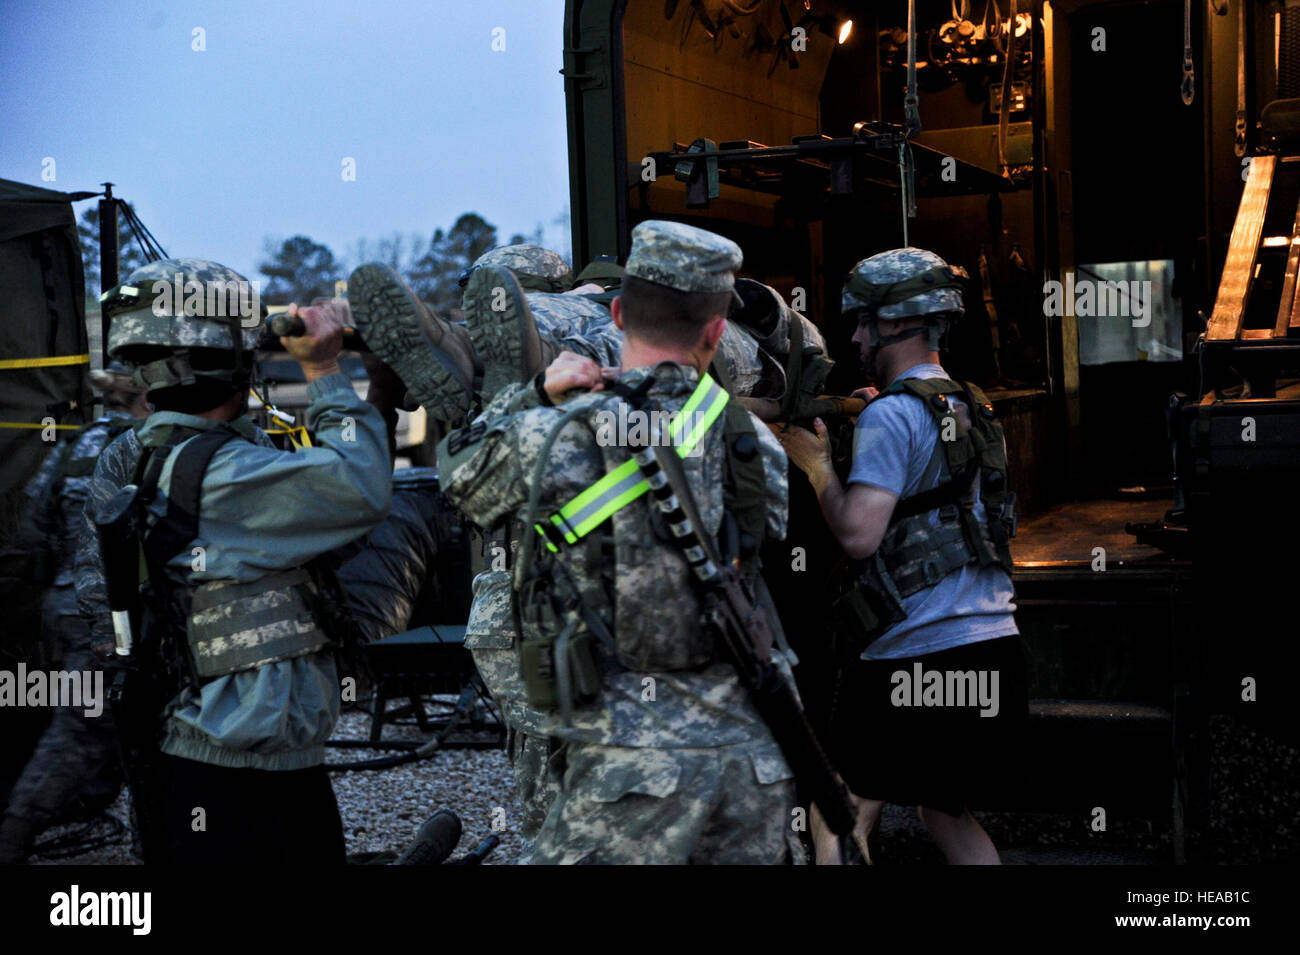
x: 311, y: 370
x: 831, y: 497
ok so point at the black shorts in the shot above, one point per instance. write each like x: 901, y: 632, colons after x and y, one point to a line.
x: 945, y: 756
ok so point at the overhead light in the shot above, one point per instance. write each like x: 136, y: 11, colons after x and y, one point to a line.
x: 845, y: 29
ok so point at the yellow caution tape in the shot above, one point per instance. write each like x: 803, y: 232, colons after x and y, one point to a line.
x: 298, y: 436
x: 38, y: 426
x: 44, y: 362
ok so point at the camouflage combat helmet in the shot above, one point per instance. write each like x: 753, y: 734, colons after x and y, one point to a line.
x: 181, y: 304
x: 902, y: 283
x: 536, y: 268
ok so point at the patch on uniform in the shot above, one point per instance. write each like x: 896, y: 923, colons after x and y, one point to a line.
x: 462, y: 438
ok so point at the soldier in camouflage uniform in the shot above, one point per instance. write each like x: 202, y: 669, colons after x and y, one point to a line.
x: 244, y: 738
x: 73, y: 769
x: 511, y: 337
x: 693, y: 774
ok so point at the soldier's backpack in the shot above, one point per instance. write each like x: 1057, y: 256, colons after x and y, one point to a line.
x: 611, y: 596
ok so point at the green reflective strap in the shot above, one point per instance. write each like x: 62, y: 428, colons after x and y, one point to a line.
x: 717, y: 400
x: 619, y: 487
x: 623, y: 485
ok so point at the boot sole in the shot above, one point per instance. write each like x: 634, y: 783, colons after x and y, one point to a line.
x: 389, y: 323
x: 500, y: 338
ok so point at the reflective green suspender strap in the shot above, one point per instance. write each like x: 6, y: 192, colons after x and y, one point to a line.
x: 624, y: 484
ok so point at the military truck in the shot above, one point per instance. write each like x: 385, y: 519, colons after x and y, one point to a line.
x: 1085, y: 161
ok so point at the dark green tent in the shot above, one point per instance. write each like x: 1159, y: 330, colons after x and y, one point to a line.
x: 43, y: 348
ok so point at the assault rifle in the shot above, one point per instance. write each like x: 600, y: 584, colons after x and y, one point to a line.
x: 135, y: 695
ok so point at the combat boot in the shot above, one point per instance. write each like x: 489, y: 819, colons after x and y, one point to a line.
x: 433, y: 357
x: 436, y: 840
x: 502, y: 330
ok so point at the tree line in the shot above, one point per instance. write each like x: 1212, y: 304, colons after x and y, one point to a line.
x: 299, y: 268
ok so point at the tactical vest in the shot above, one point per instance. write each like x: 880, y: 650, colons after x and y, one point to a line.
x: 566, y: 642
x: 915, y: 553
x: 227, y: 626
x: 49, y: 558
x: 75, y: 466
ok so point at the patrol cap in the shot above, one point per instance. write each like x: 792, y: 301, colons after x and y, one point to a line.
x: 683, y: 257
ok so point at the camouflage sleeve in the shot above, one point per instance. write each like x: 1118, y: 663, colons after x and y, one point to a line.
x: 41, y: 519
x: 113, y: 470
x: 309, y: 502
x: 486, y: 467
x: 776, y: 470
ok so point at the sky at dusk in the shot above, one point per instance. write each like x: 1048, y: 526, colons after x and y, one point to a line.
x: 219, y: 149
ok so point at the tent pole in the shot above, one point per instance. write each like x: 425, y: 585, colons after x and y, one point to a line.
x: 109, y: 257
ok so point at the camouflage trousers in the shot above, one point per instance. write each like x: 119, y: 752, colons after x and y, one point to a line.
x: 577, y: 324
x: 536, y: 784
x: 74, y: 769
x: 490, y: 639
x: 621, y: 805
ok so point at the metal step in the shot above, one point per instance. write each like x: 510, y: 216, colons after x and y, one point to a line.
x: 1102, y: 715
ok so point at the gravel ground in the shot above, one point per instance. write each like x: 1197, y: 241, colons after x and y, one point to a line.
x: 383, y: 810
x: 1254, y: 808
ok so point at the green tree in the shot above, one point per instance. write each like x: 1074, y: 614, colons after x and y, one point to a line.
x: 130, y: 255
x: 435, y: 274
x: 298, y: 271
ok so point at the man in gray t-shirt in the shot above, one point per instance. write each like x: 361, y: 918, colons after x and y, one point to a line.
x: 894, y: 442
x: 932, y: 710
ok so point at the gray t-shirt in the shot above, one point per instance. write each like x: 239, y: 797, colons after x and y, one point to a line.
x: 893, y: 443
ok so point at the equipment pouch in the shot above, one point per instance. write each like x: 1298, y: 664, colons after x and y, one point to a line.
x: 577, y: 669
x: 236, y: 626
x: 563, y: 673
x: 537, y: 666
x: 861, y: 615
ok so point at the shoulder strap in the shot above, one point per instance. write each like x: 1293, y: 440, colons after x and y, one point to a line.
x: 745, y: 488
x: 84, y: 466
x: 932, y: 392
x: 180, y: 524
x: 793, y: 367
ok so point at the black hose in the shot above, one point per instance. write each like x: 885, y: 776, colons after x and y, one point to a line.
x: 469, y: 695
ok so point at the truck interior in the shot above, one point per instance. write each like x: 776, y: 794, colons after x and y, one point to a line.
x: 1147, y: 144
